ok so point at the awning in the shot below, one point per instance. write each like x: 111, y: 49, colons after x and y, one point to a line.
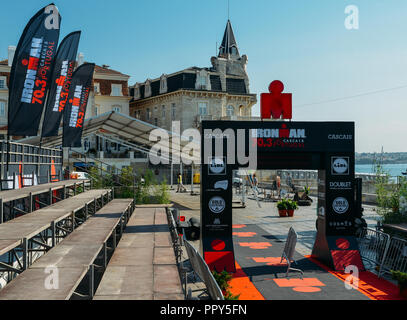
x: 125, y: 128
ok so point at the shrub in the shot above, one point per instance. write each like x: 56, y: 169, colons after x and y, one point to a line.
x: 161, y: 193
x: 223, y: 278
x: 401, y: 278
x: 391, y: 197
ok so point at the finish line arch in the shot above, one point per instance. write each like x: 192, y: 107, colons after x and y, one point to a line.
x: 328, y: 147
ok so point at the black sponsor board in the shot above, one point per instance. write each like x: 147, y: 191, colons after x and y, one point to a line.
x: 75, y: 109
x: 31, y: 71
x: 324, y: 146
x: 62, y: 72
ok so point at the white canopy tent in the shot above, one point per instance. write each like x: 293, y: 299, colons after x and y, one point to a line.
x: 132, y: 132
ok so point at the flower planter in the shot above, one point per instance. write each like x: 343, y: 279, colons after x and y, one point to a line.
x: 282, y: 213
x: 290, y: 213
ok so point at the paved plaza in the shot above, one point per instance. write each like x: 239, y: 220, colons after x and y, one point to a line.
x: 260, y: 274
x: 267, y: 217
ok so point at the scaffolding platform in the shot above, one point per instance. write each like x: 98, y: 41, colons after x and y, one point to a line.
x: 143, y: 267
x: 74, y: 259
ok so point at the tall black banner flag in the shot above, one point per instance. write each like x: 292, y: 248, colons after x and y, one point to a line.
x: 62, y: 71
x: 31, y: 70
x: 75, y: 108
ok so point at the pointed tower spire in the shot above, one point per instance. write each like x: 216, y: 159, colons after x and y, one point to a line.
x: 228, y: 48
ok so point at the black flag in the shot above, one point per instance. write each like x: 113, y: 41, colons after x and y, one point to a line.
x: 62, y: 71
x: 75, y: 108
x: 31, y: 70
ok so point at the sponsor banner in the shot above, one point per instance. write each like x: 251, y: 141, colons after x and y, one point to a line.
x: 340, y: 136
x: 75, y: 108
x: 217, y: 204
x: 340, y: 205
x: 340, y: 185
x: 340, y: 165
x: 62, y: 72
x: 217, y: 166
x: 31, y: 71
x: 223, y: 184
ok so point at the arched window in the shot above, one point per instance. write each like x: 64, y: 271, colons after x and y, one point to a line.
x: 117, y: 108
x: 230, y: 111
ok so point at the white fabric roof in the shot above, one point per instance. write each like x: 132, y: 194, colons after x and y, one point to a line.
x: 126, y: 128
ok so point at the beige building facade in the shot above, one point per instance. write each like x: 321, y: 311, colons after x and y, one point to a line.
x: 220, y: 92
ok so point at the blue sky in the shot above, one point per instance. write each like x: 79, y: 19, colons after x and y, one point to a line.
x: 303, y: 43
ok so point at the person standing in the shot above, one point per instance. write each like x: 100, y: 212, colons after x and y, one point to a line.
x: 180, y: 186
x: 278, y: 179
x: 290, y: 182
x: 255, y: 183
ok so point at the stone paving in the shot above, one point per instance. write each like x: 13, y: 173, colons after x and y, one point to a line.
x: 268, y: 219
x: 265, y: 217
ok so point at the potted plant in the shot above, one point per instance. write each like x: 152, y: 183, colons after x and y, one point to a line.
x: 282, y: 207
x: 291, y: 206
x: 306, y: 190
x: 401, y: 278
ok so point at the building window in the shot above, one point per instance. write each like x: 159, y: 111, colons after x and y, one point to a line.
x: 163, y: 112
x: 117, y: 109
x: 2, y: 109
x: 3, y: 82
x: 202, y: 81
x: 96, y: 110
x: 148, y: 115
x: 155, y: 110
x: 156, y: 122
x: 202, y: 108
x: 230, y: 111
x: 173, y: 111
x: 147, y: 89
x: 163, y: 84
x: 96, y: 87
x: 137, y: 92
x: 116, y: 90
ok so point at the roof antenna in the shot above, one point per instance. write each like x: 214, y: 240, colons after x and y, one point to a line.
x: 228, y: 9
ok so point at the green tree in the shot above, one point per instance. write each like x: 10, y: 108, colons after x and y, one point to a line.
x: 390, y: 196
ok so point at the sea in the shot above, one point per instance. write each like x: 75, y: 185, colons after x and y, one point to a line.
x: 393, y: 170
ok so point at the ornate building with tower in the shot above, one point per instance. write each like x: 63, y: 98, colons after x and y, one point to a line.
x: 194, y: 94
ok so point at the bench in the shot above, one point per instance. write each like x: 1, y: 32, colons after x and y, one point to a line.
x: 72, y: 263
x: 42, y: 229
x: 143, y: 267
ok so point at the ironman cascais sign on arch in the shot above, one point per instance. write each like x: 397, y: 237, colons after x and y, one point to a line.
x: 324, y: 146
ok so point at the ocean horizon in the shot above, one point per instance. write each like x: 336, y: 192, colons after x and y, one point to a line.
x: 393, y: 170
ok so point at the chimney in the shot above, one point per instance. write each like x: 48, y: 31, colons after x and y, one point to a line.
x: 11, y: 52
x: 81, y: 58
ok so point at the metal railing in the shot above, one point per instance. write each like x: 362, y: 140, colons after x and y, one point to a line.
x: 199, y: 266
x: 395, y: 257
x: 373, y: 246
x: 386, y: 253
x: 201, y: 269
